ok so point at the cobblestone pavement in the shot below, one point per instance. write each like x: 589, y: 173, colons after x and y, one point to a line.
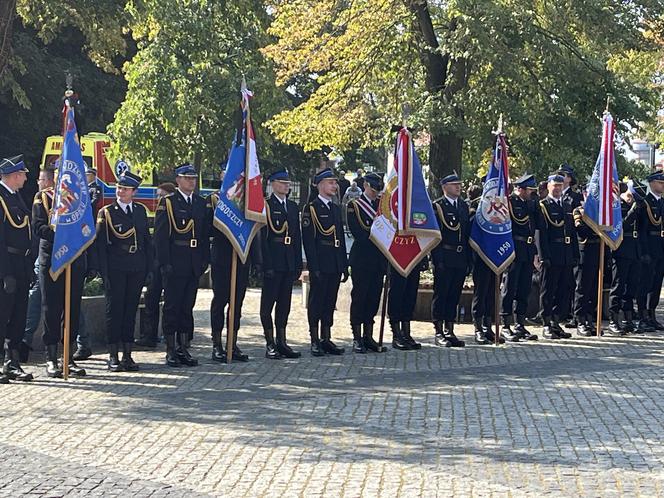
x: 569, y: 418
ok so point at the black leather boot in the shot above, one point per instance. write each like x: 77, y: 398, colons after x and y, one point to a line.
x: 367, y: 338
x: 238, y: 355
x: 172, y: 359
x: 182, y: 351
x: 488, y: 332
x: 271, y: 352
x: 316, y: 350
x: 614, y: 325
x: 283, y: 347
x: 358, y: 343
x: 74, y: 369
x: 548, y: 331
x: 439, y: 339
x: 628, y: 323
x: 218, y: 351
x: 53, y: 369
x: 583, y: 328
x: 653, y: 321
x: 405, y: 333
x: 326, y: 343
x: 12, y: 368
x: 643, y: 326
x: 452, y: 340
x: 521, y: 329
x: 114, y: 364
x: 398, y: 341
x: 127, y: 361
x: 555, y: 325
x: 510, y: 334
x: 480, y: 333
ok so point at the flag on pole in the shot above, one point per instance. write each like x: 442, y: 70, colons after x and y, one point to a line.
x: 491, y: 233
x: 601, y: 210
x: 240, y: 210
x: 72, y: 218
x: 405, y: 228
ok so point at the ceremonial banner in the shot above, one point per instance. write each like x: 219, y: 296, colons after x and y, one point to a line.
x: 72, y: 218
x: 405, y: 228
x: 241, y: 206
x: 601, y: 210
x: 491, y: 233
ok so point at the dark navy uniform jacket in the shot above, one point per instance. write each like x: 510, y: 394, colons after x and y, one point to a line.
x: 323, y: 237
x: 453, y: 250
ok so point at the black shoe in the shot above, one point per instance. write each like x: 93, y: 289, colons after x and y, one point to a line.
x: 524, y: 333
x: 238, y: 355
x: 583, y: 329
x: 452, y: 340
x: 358, y: 343
x: 4, y: 379
x: 182, y: 351
x: 53, y: 369
x: 326, y: 343
x: 316, y: 349
x: 490, y: 336
x: 439, y: 339
x: 398, y: 341
x: 628, y: 323
x: 82, y: 354
x: 615, y: 328
x: 368, y: 339
x: 114, y: 364
x: 218, y: 353
x: 511, y: 335
x: 75, y: 370
x: 549, y: 333
x: 283, y: 347
x: 480, y: 334
x: 405, y: 333
x: 12, y: 368
x: 271, y: 352
x: 653, y: 321
x: 555, y: 325
x: 24, y: 352
x: 128, y: 362
x: 172, y: 359
x: 571, y: 324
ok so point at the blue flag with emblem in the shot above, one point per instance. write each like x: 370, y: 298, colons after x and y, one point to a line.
x: 491, y: 233
x: 72, y: 218
x: 236, y: 193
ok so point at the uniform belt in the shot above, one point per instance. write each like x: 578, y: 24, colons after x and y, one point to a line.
x: 527, y: 240
x: 282, y: 240
x: 333, y: 243
x: 130, y: 248
x: 589, y: 241
x: 452, y: 248
x: 633, y: 235
x: 14, y: 250
x: 656, y: 233
x: 564, y: 240
x: 186, y: 243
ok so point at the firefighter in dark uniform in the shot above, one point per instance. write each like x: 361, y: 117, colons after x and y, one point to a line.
x: 181, y: 239
x: 325, y: 248
x: 652, y: 228
x: 281, y: 244
x: 222, y: 253
x: 94, y: 189
x: 368, y: 266
x: 585, y: 296
x: 626, y: 266
x: 452, y: 260
x: 52, y: 292
x: 124, y: 249
x: 559, y: 254
x: 518, y: 277
x: 15, y: 266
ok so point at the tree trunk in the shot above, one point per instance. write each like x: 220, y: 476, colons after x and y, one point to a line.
x: 444, y: 77
x: 7, y: 15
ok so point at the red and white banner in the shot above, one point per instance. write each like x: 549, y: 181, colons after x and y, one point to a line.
x: 254, y: 206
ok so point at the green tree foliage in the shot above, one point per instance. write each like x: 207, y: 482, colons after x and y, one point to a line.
x: 548, y: 66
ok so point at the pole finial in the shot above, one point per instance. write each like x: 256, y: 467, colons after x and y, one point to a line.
x: 608, y: 102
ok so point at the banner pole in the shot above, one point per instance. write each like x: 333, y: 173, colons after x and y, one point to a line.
x: 386, y: 286
x: 67, y: 324
x: 231, y: 311
x: 497, y: 308
x: 600, y: 285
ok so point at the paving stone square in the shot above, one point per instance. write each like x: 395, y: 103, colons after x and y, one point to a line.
x: 580, y: 417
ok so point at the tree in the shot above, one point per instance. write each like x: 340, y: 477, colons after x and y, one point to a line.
x: 548, y: 66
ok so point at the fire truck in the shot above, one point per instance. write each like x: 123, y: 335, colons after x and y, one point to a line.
x: 95, y: 148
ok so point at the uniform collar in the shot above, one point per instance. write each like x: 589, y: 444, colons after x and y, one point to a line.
x: 454, y: 202
x: 325, y: 201
x: 186, y: 197
x: 656, y: 196
x: 124, y: 206
x: 11, y: 191
x: 552, y: 198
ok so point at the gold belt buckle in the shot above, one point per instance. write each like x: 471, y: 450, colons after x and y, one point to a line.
x: 287, y: 240
x: 132, y: 249
x: 568, y: 240
x: 193, y: 243
x: 635, y: 234
x: 529, y: 240
x: 337, y: 243
x: 459, y: 248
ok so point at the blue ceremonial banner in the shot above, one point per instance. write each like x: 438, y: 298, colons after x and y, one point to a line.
x: 72, y: 218
x: 601, y: 210
x: 229, y: 215
x: 491, y: 233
